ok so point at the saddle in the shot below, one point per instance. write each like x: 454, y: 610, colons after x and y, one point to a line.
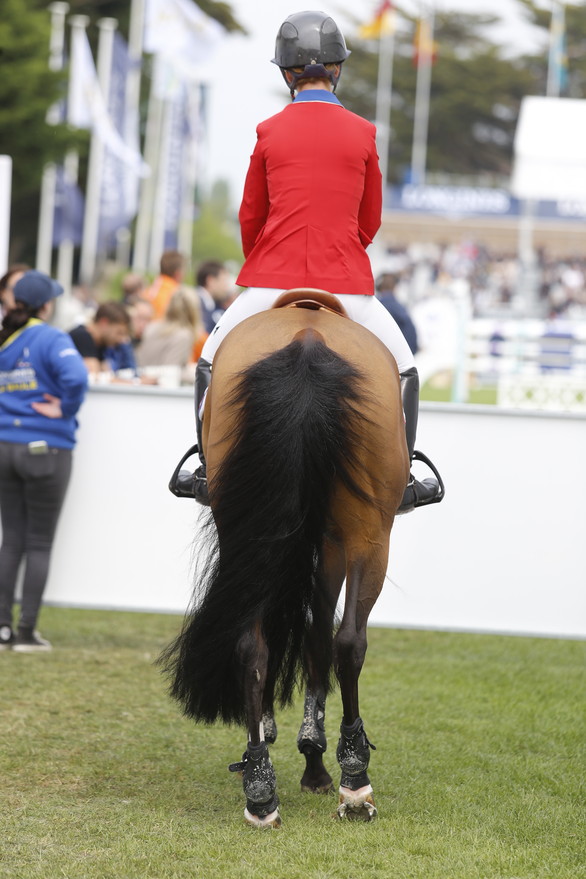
x: 308, y: 297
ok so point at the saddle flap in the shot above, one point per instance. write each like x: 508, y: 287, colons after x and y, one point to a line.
x: 309, y: 297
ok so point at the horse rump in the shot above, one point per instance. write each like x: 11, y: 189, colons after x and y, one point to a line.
x: 296, y: 434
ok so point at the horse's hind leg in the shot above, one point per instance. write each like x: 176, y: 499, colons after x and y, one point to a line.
x: 362, y: 589
x: 258, y: 776
x: 311, y: 739
x: 312, y: 742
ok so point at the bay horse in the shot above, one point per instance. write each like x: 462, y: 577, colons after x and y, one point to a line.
x: 307, y: 462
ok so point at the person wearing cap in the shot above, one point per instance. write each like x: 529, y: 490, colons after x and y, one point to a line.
x: 312, y: 204
x: 43, y: 382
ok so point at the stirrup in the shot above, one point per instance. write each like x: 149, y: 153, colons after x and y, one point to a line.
x: 413, y: 496
x: 184, y: 483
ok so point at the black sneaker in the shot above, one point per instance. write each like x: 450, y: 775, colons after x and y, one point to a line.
x: 6, y: 637
x: 29, y: 641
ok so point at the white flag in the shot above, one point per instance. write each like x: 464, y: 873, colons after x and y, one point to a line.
x: 180, y: 32
x: 87, y: 107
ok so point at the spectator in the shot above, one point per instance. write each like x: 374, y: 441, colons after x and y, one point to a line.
x: 133, y: 288
x: 100, y: 339
x: 122, y: 357
x: 141, y: 315
x: 42, y: 385
x: 170, y: 341
x: 172, y: 267
x: 385, y: 292
x: 215, y: 288
x: 7, y: 282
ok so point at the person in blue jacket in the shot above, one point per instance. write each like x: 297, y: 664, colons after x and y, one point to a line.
x: 43, y: 381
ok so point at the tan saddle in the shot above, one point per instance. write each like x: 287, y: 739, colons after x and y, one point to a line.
x: 308, y: 297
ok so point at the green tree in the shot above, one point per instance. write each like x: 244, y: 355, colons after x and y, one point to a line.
x: 575, y: 37
x: 215, y: 233
x: 475, y: 97
x: 27, y: 90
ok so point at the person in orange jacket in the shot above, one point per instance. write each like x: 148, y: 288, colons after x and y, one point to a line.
x: 312, y: 204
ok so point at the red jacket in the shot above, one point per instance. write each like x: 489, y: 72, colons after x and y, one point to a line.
x: 312, y: 199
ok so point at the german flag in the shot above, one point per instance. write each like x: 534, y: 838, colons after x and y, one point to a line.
x: 424, y: 46
x: 382, y: 25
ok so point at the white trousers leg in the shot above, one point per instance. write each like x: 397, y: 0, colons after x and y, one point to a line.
x: 365, y: 310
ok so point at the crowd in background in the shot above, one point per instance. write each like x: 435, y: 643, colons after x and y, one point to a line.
x: 153, y: 330
x: 495, y: 280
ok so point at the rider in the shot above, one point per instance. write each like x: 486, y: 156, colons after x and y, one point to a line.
x: 312, y: 204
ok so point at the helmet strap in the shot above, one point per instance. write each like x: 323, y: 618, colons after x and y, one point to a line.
x: 311, y: 71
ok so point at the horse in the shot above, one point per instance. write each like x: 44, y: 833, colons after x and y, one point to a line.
x: 307, y: 463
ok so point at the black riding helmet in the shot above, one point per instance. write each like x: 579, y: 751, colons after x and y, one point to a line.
x: 309, y: 40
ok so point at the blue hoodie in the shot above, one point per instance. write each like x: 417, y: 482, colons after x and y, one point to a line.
x: 37, y: 360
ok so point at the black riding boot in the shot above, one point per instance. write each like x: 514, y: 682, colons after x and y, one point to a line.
x: 428, y: 491
x: 184, y: 483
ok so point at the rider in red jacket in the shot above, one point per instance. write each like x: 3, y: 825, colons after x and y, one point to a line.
x: 311, y: 206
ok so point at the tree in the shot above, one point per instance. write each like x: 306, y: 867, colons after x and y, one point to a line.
x: 28, y: 89
x: 475, y: 98
x: 215, y: 235
x: 575, y: 37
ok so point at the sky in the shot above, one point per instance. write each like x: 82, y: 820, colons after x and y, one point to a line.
x: 245, y: 88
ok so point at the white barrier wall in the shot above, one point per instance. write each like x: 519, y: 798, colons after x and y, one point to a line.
x: 504, y: 552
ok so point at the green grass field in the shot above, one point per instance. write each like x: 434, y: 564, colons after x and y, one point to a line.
x: 478, y: 772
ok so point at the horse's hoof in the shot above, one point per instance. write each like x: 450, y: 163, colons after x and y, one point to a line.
x: 323, y: 787
x: 357, y: 805
x: 271, y: 820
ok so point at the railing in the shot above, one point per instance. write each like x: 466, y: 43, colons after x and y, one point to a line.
x: 534, y: 364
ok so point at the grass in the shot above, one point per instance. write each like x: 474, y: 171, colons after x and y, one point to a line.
x: 438, y: 389
x: 478, y: 772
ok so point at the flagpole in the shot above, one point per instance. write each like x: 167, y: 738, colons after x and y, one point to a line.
x: 185, y: 234
x: 142, y: 237
x: 383, y: 103
x: 47, y: 201
x: 422, y: 102
x: 160, y: 199
x: 71, y: 165
x: 555, y: 60
x: 131, y: 125
x: 91, y: 221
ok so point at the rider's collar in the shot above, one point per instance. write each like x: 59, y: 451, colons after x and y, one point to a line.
x: 322, y: 95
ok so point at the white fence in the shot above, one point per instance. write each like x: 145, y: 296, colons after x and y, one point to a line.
x: 503, y: 552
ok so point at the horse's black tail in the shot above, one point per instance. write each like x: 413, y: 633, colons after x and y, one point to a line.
x: 297, y: 435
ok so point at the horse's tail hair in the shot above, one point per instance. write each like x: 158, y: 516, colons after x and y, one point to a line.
x: 297, y: 435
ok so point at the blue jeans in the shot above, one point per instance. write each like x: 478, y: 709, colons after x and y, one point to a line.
x: 32, y: 491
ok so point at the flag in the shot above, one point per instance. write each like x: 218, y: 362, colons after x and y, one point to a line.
x: 176, y: 168
x: 381, y: 25
x: 180, y: 32
x: 68, y: 211
x: 87, y: 107
x: 424, y: 46
x: 119, y: 186
x: 557, y: 68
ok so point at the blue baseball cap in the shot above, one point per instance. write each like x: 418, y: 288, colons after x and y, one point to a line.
x: 36, y: 288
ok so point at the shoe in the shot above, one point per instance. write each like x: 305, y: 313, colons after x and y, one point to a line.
x: 29, y: 641
x: 200, y: 486
x: 6, y: 637
x: 420, y: 494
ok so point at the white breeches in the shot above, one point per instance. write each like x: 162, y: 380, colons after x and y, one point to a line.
x: 365, y: 310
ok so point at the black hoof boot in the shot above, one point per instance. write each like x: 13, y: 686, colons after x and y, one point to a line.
x: 421, y: 494
x: 356, y: 801
x: 353, y: 753
x: 312, y: 734
x: 270, y: 727
x: 260, y: 786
